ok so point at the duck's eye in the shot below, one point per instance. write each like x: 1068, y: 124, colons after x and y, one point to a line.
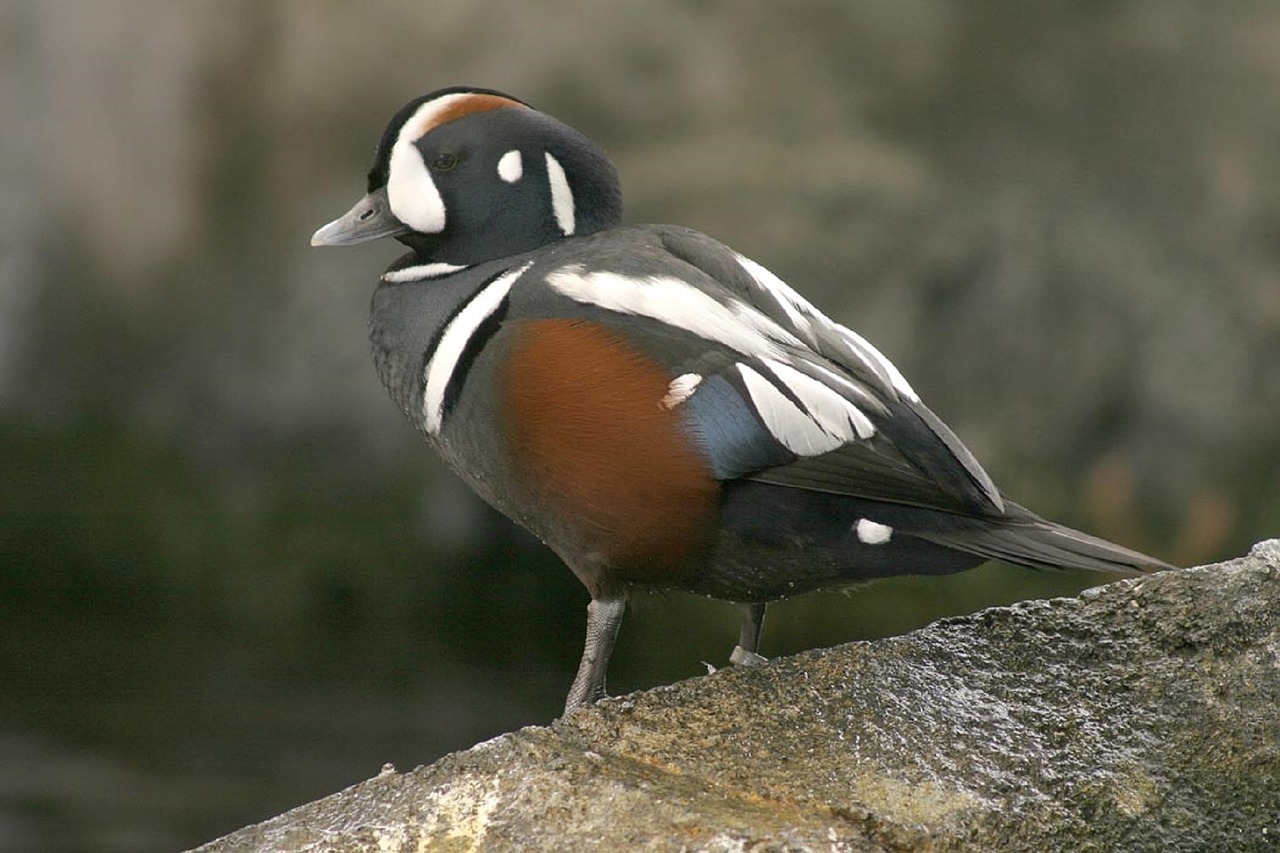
x: 444, y: 161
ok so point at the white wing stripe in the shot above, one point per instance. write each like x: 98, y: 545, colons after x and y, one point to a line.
x: 847, y: 387
x: 676, y: 303
x: 803, y: 316
x: 795, y: 306
x: 453, y: 342
x: 833, y: 413
x: 876, y: 360
x: 795, y: 430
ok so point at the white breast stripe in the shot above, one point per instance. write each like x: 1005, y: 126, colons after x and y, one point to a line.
x: 420, y: 272
x: 511, y: 166
x: 453, y: 342
x: 833, y: 413
x: 561, y: 196
x: 795, y: 430
x: 676, y: 303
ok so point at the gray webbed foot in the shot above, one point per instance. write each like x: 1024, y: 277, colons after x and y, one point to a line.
x: 742, y: 657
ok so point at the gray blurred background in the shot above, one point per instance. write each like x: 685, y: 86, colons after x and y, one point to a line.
x: 232, y: 579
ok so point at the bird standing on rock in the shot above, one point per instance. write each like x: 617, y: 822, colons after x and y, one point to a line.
x: 661, y: 411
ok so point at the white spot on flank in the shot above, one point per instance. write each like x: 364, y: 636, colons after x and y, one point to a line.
x: 511, y: 166
x: 872, y: 532
x: 680, y: 389
x: 453, y: 342
x: 833, y: 413
x: 795, y: 430
x: 561, y: 196
x: 676, y: 303
x: 420, y: 272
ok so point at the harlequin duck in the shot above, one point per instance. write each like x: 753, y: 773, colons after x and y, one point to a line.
x: 660, y: 410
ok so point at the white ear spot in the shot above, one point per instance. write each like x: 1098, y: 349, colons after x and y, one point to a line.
x: 872, y: 532
x: 511, y: 166
x: 561, y: 196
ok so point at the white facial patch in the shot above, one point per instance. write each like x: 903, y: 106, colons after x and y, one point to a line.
x: 785, y: 421
x: 411, y: 192
x: 872, y: 532
x: 454, y: 340
x: 680, y: 389
x: 676, y: 303
x: 511, y: 166
x: 561, y: 196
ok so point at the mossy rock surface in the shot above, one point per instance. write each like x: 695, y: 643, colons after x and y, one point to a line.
x: 1144, y: 715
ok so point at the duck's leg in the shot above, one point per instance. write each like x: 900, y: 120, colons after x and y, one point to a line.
x: 744, y: 654
x: 604, y: 617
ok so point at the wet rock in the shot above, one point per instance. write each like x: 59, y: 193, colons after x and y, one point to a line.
x: 1144, y: 715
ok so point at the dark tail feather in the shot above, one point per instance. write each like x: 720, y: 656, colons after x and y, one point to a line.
x: 1025, y: 539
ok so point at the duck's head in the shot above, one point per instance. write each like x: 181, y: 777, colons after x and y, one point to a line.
x: 465, y: 175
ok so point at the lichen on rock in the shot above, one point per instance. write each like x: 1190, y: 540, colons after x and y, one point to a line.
x: 1143, y: 715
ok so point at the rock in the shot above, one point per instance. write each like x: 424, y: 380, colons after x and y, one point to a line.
x: 1143, y: 715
